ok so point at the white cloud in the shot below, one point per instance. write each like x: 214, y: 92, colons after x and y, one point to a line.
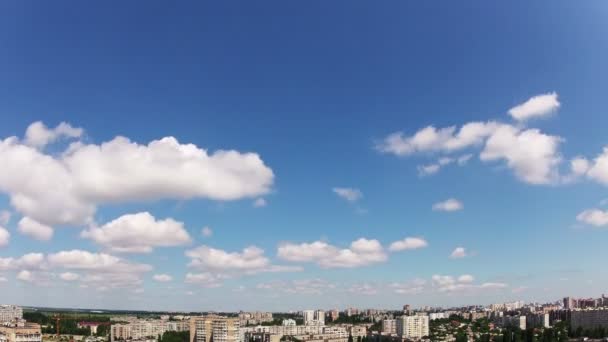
x: 466, y: 278
x: 408, y: 244
x: 594, y: 217
x: 536, y: 106
x: 362, y: 252
x: 430, y: 169
x: 69, y: 276
x: 431, y: 139
x: 206, y: 279
x: 138, y: 233
x: 97, y: 262
x: 30, y: 261
x: 26, y: 276
x: 66, y: 188
x: 206, y: 232
x: 458, y: 253
x: 259, y: 203
x: 596, y: 170
x: 363, y: 289
x: 446, y: 283
x: 38, y: 135
x: 34, y: 229
x: 5, y: 236
x: 532, y: 155
x: 450, y: 204
x: 162, y: 278
x: 5, y: 217
x: 250, y: 261
x: 349, y: 194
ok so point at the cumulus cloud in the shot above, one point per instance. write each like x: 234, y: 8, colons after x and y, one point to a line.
x: 532, y: 155
x: 431, y: 139
x: 362, y: 252
x: 594, y: 217
x: 466, y: 278
x: 219, y: 264
x: 97, y: 262
x: 5, y: 236
x: 536, y: 106
x: 415, y: 286
x: 458, y: 253
x: 450, y: 204
x: 26, y: 276
x: 138, y: 233
x: 408, y: 244
x: 39, y: 135
x: 364, y: 289
x: 349, y: 194
x: 30, y: 261
x: 35, y: 229
x: 596, y: 169
x: 163, y: 278
x: 66, y: 188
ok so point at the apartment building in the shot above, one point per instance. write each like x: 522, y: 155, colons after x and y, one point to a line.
x: 145, y: 329
x: 214, y: 329
x: 389, y: 326
x: 413, y: 327
x: 9, y: 313
x: 589, y: 319
x: 20, y: 331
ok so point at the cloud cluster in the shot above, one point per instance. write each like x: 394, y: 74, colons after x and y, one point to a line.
x: 138, y: 233
x: 91, y: 269
x: 299, y: 286
x: 362, y: 252
x: 66, y: 188
x: 431, y: 169
x: 532, y: 155
x: 408, y: 244
x: 594, y: 217
x: 447, y: 283
x: 459, y: 253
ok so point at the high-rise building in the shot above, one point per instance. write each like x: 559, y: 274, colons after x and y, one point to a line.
x: 589, y: 319
x: 214, y: 329
x: 309, y: 317
x: 9, y: 313
x: 569, y: 303
x: 412, y: 326
x: 320, y: 317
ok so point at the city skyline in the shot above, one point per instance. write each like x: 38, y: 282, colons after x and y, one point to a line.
x: 286, y: 156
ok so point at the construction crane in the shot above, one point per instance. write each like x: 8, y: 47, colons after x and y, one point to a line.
x: 57, y: 323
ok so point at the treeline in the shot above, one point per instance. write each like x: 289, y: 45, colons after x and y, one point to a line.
x: 67, y: 325
x: 175, y: 336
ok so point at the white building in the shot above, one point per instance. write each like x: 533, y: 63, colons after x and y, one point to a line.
x: 412, y: 326
x: 309, y: 316
x: 320, y: 317
x: 437, y: 315
x: 289, y: 322
x: 9, y: 313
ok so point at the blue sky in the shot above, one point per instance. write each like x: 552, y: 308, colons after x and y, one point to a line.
x: 307, y: 96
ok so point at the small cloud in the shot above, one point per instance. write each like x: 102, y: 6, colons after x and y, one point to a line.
x: 349, y: 194
x: 448, y: 205
x: 69, y: 276
x: 594, y: 217
x: 458, y: 253
x: 163, y: 278
x: 536, y: 106
x: 408, y: 244
x: 520, y: 289
x: 206, y: 232
x: 466, y: 278
x: 259, y: 203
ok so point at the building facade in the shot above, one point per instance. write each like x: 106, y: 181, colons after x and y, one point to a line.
x: 413, y: 327
x: 20, y: 332
x: 214, y: 329
x: 9, y: 313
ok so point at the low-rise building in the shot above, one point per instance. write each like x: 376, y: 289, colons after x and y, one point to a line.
x: 9, y: 313
x: 20, y: 331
